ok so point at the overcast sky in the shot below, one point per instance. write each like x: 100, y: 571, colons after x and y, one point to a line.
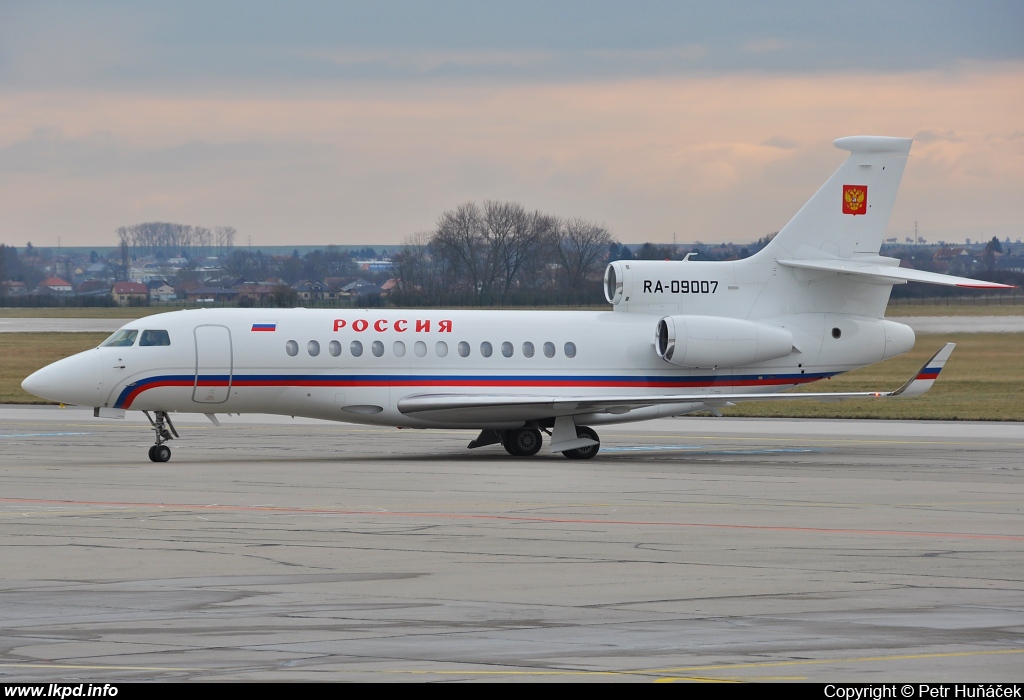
x: 361, y: 123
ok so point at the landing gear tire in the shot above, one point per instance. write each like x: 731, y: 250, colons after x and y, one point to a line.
x: 584, y: 452
x: 525, y: 442
x: 160, y: 453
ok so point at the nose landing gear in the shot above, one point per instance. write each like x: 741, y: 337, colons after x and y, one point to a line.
x: 164, y: 429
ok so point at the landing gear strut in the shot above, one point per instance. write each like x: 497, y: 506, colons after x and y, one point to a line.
x: 164, y: 429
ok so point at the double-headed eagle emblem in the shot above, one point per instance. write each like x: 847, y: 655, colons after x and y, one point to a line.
x: 855, y: 199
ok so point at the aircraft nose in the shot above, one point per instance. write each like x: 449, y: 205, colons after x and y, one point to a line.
x: 76, y: 380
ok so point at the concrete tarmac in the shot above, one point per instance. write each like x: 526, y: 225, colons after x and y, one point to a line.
x: 689, y: 549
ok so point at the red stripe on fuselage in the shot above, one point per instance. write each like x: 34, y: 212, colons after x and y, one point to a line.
x: 478, y: 383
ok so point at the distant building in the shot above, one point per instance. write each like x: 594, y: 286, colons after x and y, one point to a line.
x: 14, y: 288
x: 93, y: 288
x: 218, y: 295
x: 374, y: 265
x: 159, y: 290
x: 312, y: 291
x: 130, y: 293
x: 54, y: 285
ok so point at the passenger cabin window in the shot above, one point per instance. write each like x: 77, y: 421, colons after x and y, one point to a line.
x: 120, y: 339
x: 154, y: 338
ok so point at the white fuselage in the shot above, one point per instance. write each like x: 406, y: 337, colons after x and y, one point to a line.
x: 356, y: 365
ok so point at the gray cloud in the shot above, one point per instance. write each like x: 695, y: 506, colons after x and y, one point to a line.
x: 932, y: 135
x: 780, y: 142
x: 253, y: 44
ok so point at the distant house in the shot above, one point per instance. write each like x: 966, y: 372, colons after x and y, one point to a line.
x: 159, y: 290
x: 362, y: 288
x: 130, y: 293
x: 256, y: 293
x: 93, y: 288
x: 312, y: 291
x: 54, y: 285
x: 14, y: 288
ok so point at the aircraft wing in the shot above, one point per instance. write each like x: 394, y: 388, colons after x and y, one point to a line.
x: 885, y: 274
x: 491, y: 408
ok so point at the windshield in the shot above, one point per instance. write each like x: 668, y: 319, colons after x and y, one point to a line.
x: 121, y: 339
x: 155, y: 338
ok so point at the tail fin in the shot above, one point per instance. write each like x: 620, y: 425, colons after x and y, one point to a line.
x: 850, y: 212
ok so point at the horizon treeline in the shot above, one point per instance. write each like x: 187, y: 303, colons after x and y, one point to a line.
x: 498, y: 253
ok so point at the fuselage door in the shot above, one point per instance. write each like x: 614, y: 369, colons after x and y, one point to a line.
x: 213, y: 364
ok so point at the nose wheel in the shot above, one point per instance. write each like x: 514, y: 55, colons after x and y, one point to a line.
x: 159, y: 453
x: 164, y: 430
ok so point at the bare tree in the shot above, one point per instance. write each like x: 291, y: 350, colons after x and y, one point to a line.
x: 582, y: 248
x: 225, y: 239
x: 203, y: 239
x: 458, y: 239
x: 513, y: 236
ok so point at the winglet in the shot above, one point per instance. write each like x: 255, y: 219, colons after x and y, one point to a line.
x: 927, y: 375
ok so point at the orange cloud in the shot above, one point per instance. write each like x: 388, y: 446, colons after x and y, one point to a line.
x: 712, y: 158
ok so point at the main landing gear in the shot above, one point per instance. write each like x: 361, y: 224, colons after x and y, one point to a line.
x: 164, y: 429
x: 588, y: 452
x: 526, y: 442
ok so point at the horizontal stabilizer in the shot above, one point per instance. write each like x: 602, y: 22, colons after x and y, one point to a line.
x: 884, y: 274
x: 492, y: 408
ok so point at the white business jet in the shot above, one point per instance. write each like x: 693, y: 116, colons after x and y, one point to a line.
x: 682, y: 337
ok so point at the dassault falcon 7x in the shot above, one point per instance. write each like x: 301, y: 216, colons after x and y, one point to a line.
x: 682, y: 337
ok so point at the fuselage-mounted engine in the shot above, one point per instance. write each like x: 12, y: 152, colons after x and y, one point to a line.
x: 706, y: 342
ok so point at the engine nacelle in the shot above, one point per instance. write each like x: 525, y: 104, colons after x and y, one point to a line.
x: 706, y: 342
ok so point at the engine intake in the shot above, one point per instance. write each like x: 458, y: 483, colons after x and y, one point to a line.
x: 706, y: 342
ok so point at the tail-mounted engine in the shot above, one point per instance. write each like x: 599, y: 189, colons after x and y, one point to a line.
x: 707, y: 342
x: 667, y: 287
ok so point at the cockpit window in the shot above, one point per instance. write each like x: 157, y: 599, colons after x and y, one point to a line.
x: 121, y: 339
x: 154, y: 338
